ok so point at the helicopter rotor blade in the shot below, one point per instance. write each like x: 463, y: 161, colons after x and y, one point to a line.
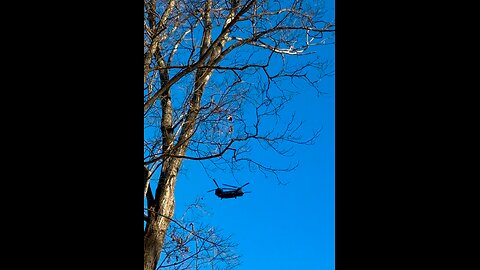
x: 215, y: 183
x: 211, y: 190
x: 244, y: 185
x: 247, y: 192
x: 230, y: 186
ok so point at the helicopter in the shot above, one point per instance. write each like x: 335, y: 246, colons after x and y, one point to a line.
x: 229, y: 191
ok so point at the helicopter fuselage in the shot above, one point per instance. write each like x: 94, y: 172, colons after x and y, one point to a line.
x: 228, y: 194
x: 229, y: 191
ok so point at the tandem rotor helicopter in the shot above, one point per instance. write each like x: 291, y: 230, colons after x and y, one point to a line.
x: 229, y: 191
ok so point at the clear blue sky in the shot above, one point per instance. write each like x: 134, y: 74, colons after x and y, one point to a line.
x: 280, y: 226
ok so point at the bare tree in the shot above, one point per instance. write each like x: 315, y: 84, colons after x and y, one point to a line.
x: 192, y: 244
x: 215, y: 72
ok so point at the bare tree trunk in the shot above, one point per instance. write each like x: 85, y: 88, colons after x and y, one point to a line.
x: 159, y: 219
x: 153, y: 241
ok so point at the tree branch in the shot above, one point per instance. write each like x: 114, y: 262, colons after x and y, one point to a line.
x: 202, y: 58
x: 182, y: 227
